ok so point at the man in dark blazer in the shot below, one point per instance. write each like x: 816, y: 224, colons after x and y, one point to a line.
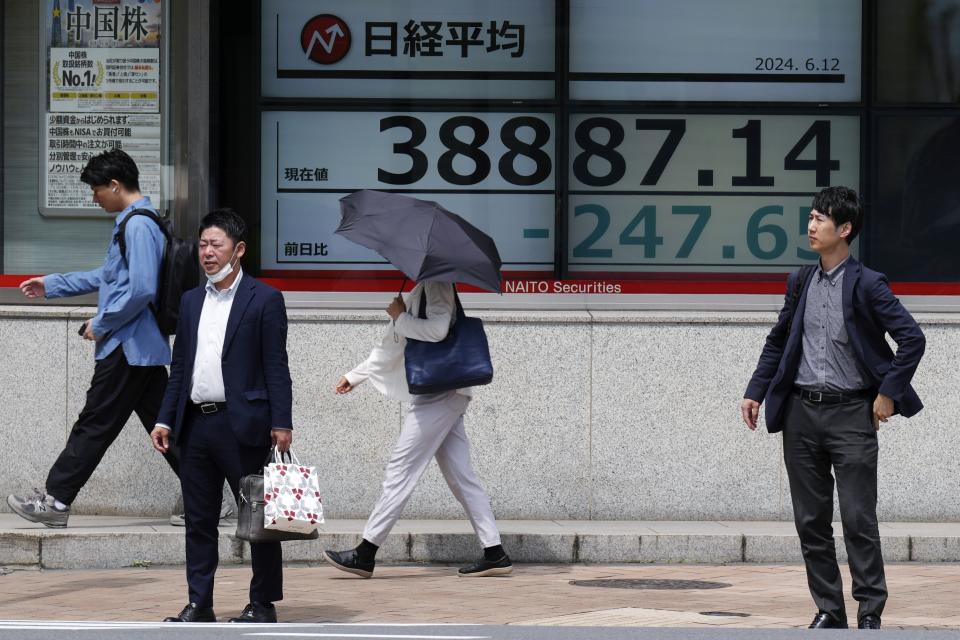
x: 829, y: 379
x: 228, y: 401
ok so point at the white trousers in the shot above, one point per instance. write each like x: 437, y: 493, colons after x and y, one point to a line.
x: 433, y: 428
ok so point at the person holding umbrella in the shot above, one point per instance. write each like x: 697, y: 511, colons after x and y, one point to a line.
x: 417, y: 236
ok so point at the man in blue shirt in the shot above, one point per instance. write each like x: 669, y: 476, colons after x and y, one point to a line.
x: 131, y: 352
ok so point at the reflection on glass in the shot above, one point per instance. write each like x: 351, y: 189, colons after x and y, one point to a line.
x: 918, y: 51
x: 942, y: 27
x: 916, y: 219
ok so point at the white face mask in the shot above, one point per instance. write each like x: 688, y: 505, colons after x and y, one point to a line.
x: 225, y: 272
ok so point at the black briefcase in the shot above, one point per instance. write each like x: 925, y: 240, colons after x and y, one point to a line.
x: 250, y: 517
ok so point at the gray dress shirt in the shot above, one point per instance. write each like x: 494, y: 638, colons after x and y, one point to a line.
x: 828, y: 362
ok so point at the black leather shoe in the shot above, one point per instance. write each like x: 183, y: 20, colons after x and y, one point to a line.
x: 193, y: 613
x: 869, y: 621
x: 257, y: 612
x: 826, y: 621
x: 350, y: 562
x: 485, y: 567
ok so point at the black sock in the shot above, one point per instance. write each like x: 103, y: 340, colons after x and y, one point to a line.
x: 493, y: 553
x: 367, y: 551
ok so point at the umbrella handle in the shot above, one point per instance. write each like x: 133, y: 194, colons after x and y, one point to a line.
x: 392, y: 321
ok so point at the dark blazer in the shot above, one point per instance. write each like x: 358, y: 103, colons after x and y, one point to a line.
x: 869, y: 311
x: 256, y: 377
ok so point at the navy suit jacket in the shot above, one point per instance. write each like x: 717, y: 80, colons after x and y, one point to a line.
x: 256, y: 377
x: 870, y: 310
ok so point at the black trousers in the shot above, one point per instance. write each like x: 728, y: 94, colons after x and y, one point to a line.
x: 817, y: 437
x: 116, y: 391
x: 210, y: 453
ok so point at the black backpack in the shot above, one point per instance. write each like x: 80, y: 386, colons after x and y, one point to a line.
x: 179, y: 270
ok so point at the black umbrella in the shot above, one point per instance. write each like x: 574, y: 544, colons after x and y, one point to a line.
x: 420, y: 238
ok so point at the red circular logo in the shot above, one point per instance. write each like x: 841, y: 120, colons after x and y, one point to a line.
x: 325, y: 39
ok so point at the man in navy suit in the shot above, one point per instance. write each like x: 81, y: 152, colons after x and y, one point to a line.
x: 829, y: 379
x: 228, y: 401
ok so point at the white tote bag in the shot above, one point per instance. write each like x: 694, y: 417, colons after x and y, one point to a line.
x: 291, y: 495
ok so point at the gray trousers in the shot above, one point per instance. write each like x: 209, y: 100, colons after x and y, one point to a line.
x: 433, y: 428
x: 817, y: 437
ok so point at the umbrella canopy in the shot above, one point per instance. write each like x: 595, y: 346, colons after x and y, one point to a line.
x: 420, y: 238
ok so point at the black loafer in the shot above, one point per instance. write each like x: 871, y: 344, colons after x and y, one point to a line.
x: 826, y: 621
x: 485, y: 567
x: 193, y: 613
x: 869, y: 621
x: 350, y: 562
x: 257, y: 612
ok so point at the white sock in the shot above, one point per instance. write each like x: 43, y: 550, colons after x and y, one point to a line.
x: 59, y: 505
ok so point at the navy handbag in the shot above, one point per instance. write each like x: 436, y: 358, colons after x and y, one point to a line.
x: 462, y: 359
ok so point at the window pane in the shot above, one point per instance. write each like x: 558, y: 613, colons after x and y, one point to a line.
x: 467, y: 49
x: 32, y: 243
x: 705, y: 50
x: 102, y: 90
x: 914, y: 223
x: 918, y: 51
x: 496, y: 170
x: 701, y: 193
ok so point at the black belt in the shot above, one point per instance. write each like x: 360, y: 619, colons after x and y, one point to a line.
x: 831, y: 397
x: 208, y: 407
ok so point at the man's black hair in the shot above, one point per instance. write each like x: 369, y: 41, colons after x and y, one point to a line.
x: 841, y: 204
x: 114, y: 164
x: 226, y: 219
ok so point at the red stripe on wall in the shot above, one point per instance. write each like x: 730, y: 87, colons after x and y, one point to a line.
x: 532, y: 281
x: 12, y: 281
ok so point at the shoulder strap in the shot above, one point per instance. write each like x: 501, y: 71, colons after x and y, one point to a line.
x: 122, y: 230
x: 802, y: 276
x: 422, y: 314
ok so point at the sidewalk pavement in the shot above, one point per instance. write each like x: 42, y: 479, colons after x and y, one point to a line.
x: 922, y: 595
x: 108, y: 542
x: 118, y: 568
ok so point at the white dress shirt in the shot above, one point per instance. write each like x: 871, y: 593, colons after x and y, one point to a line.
x: 384, y: 368
x: 207, y: 382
